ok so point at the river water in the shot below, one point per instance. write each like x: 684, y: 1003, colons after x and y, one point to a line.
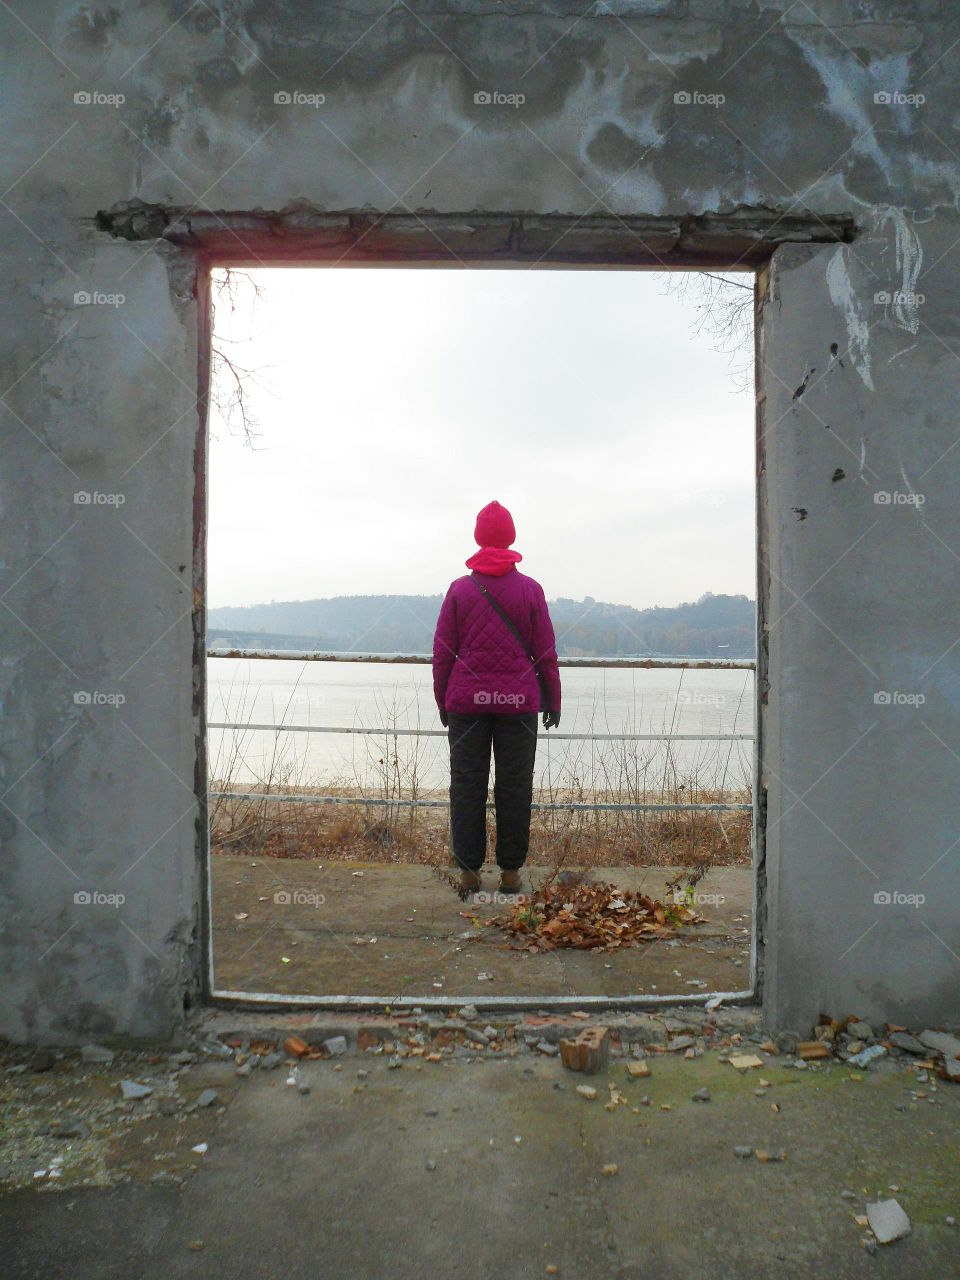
x: 380, y: 697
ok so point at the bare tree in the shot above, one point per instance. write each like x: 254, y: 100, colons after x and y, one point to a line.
x: 230, y: 381
x: 723, y: 305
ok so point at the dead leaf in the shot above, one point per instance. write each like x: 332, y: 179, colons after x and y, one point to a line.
x: 591, y: 917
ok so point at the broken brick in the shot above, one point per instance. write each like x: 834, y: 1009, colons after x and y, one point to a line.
x: 589, y: 1052
x: 808, y: 1050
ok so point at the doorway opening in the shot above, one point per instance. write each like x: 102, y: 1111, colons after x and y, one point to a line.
x: 360, y: 416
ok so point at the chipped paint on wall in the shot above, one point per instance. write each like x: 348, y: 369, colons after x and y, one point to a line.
x: 905, y: 298
x: 850, y: 304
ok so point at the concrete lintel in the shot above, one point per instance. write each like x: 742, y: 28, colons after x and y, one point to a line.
x: 746, y: 236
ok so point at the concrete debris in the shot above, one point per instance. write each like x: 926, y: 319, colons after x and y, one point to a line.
x: 680, y: 1042
x: 702, y: 1095
x: 270, y: 1061
x: 866, y: 1056
x: 888, y: 1221
x: 587, y: 1091
x: 860, y: 1030
x: 132, y: 1091
x: 217, y: 1049
x: 468, y: 1012
x: 907, y: 1043
x: 207, y: 1098
x: 551, y: 1050
x: 336, y: 1046
x: 70, y: 1127
x: 942, y: 1042
x: 96, y: 1053
x: 743, y: 1153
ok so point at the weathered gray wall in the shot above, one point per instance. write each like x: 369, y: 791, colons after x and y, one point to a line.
x: 862, y: 597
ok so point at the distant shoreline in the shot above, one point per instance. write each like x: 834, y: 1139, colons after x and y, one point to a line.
x: 711, y: 627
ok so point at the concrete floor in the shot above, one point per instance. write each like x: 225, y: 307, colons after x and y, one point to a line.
x: 429, y: 943
x: 336, y: 1182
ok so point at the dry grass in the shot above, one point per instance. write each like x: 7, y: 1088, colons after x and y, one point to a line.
x: 622, y: 772
x: 394, y: 833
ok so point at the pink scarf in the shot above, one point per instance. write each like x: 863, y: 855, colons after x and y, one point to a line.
x: 494, y: 560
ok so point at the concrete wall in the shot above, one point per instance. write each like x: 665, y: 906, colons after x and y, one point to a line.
x: 101, y: 398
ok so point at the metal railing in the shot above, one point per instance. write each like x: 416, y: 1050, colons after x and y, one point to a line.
x: 645, y: 664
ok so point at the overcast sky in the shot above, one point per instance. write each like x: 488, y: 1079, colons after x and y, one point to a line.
x: 394, y: 403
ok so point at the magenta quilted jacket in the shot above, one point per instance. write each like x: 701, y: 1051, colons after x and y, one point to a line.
x: 478, y: 665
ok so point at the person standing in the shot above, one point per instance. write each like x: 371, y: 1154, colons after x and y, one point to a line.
x: 494, y: 669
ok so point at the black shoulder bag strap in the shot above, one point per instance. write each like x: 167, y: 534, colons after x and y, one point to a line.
x: 515, y: 631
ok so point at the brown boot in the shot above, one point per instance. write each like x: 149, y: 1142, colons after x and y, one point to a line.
x: 510, y: 882
x: 469, y: 882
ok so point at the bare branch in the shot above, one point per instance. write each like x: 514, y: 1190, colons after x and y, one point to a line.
x: 723, y: 306
x: 229, y: 381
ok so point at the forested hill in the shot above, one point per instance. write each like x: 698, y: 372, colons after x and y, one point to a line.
x: 714, y: 626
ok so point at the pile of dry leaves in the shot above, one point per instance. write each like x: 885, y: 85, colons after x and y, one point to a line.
x: 592, y: 917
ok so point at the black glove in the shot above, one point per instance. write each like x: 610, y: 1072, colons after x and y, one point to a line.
x: 443, y: 717
x: 551, y: 719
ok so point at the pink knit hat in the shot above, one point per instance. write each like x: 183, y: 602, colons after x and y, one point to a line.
x: 495, y: 527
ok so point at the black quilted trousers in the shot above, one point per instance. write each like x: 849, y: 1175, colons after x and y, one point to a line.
x: 514, y: 742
